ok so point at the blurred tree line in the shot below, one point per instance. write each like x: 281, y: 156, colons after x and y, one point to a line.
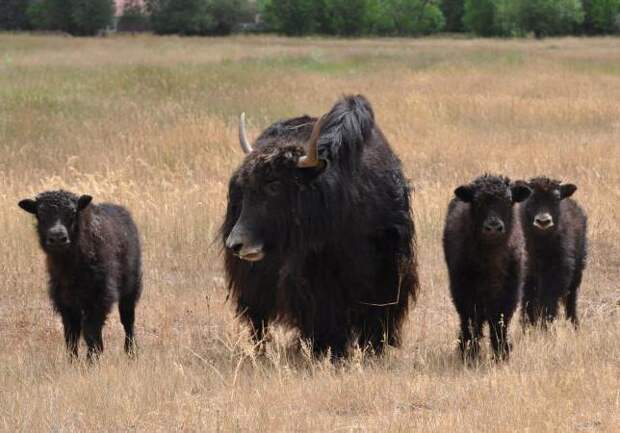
x: 505, y: 18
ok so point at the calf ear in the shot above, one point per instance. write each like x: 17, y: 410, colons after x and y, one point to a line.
x: 28, y: 205
x: 520, y: 192
x: 84, y: 201
x: 465, y: 193
x: 567, y: 189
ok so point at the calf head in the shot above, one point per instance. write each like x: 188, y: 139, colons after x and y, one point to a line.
x: 264, y: 192
x: 491, y: 199
x: 57, y: 214
x: 542, y: 209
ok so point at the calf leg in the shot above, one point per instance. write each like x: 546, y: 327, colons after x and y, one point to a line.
x: 126, y: 309
x: 530, y: 307
x: 570, y: 302
x: 93, y: 325
x: 499, y: 336
x: 549, y: 309
x: 72, y: 323
x: 469, y: 338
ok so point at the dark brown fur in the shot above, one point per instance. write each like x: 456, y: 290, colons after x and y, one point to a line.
x: 340, y: 263
x: 556, y: 255
x: 100, y: 265
x: 485, y: 266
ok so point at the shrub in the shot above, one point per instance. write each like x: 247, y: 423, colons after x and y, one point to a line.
x: 13, y: 15
x: 452, y: 11
x: 550, y: 17
x: 293, y: 17
x: 604, y: 16
x: 479, y: 17
x: 411, y: 17
x: 134, y: 18
x: 90, y: 16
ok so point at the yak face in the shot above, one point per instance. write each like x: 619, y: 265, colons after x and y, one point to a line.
x: 57, y: 214
x: 264, y: 194
x: 491, y: 199
x: 275, y: 193
x: 542, y: 209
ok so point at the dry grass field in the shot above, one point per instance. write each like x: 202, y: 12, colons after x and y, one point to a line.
x: 152, y: 123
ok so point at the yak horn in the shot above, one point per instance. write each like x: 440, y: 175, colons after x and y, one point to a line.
x: 311, y: 159
x: 243, y: 136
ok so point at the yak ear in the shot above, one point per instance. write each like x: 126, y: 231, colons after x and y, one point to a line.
x: 465, y: 193
x: 520, y: 192
x: 28, y: 205
x: 83, y: 202
x: 567, y: 189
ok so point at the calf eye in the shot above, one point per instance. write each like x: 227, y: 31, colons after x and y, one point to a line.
x: 273, y: 188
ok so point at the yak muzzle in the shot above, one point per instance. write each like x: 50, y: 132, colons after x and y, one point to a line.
x: 543, y: 221
x: 493, y: 226
x: 250, y: 251
x: 57, y: 237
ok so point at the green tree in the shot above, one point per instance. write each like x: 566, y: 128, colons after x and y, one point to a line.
x: 479, y: 17
x: 292, y: 17
x: 452, y: 11
x: 39, y: 15
x: 13, y: 15
x: 550, y: 17
x: 604, y: 16
x: 506, y: 21
x: 90, y: 16
x: 77, y: 17
x: 195, y: 17
x: 225, y: 15
x: 185, y: 17
x: 346, y: 17
x: 133, y: 18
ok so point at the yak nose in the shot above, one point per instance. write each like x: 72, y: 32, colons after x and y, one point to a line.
x: 57, y: 236
x: 234, y: 244
x: 493, y: 225
x: 250, y: 251
x: 543, y: 221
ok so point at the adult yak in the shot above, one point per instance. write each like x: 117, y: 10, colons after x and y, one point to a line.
x: 318, y: 232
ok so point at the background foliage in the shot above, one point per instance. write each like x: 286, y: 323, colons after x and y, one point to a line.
x: 349, y: 18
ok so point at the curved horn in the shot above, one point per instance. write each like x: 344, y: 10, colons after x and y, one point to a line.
x: 243, y: 136
x: 311, y: 159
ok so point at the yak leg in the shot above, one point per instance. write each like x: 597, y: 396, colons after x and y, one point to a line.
x: 72, y: 323
x: 126, y: 309
x: 570, y: 302
x: 469, y: 338
x: 499, y: 336
x: 93, y: 326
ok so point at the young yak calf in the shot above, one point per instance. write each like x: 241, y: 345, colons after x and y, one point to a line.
x: 555, y: 234
x: 93, y: 260
x: 484, y: 251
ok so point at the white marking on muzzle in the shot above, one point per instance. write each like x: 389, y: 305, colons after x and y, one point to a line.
x: 543, y: 221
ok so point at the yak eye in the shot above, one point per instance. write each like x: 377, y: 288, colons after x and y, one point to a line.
x: 273, y: 188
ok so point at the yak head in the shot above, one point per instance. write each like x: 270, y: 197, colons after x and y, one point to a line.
x: 542, y: 209
x: 264, y: 193
x: 57, y: 214
x: 491, y: 199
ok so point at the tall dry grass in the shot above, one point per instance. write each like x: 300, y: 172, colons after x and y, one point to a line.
x: 151, y: 123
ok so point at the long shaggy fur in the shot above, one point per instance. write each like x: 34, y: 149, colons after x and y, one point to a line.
x: 342, y: 264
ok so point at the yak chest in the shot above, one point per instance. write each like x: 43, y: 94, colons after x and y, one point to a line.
x: 78, y: 289
x: 489, y: 278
